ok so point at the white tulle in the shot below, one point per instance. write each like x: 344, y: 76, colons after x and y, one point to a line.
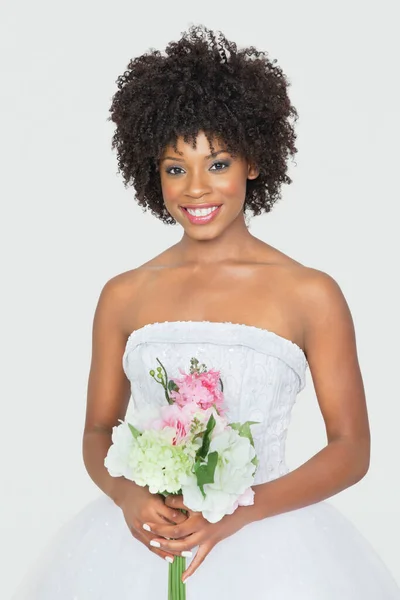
x: 314, y: 553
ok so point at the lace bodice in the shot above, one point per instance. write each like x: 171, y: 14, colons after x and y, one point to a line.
x: 262, y: 374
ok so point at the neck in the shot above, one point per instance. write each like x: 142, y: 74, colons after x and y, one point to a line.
x: 230, y: 245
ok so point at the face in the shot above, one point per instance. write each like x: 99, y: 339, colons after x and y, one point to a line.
x: 204, y: 193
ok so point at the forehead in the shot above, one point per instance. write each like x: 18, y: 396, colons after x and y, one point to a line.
x: 199, y: 146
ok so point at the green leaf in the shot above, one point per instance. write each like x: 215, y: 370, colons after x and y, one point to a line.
x: 205, y: 472
x: 203, y: 450
x: 243, y: 429
x: 135, y: 432
x: 172, y: 386
x: 246, y: 432
x: 197, y: 466
x: 235, y: 426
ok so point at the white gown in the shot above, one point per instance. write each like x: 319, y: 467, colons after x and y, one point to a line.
x: 313, y: 553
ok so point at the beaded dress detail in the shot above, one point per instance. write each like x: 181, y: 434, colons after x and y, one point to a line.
x: 313, y: 553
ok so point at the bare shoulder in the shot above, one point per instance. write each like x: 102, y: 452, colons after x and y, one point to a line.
x: 120, y: 286
x: 123, y: 285
x: 120, y: 295
x: 122, y: 289
x: 117, y: 295
x: 328, y: 325
x: 315, y: 305
x: 308, y: 286
x: 314, y: 284
x: 319, y: 294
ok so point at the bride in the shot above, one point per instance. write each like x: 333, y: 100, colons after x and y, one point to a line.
x: 203, y: 133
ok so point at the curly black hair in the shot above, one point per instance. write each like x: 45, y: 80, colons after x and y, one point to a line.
x: 203, y: 83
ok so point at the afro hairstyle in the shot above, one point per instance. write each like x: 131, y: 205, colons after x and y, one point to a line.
x: 203, y: 83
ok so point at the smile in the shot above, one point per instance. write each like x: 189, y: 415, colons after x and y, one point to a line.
x: 201, y: 215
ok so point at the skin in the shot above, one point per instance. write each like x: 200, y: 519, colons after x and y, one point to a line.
x: 221, y: 272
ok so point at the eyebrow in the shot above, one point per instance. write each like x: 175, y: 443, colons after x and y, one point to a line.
x: 205, y: 158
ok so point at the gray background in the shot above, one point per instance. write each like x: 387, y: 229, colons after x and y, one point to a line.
x: 68, y: 225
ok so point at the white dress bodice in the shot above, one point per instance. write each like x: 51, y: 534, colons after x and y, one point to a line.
x: 262, y: 373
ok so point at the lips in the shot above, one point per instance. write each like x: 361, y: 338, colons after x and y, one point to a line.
x: 199, y: 205
x: 201, y: 220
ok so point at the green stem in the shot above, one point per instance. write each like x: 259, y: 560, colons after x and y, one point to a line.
x: 184, y: 584
x: 176, y: 597
x: 176, y: 589
x: 170, y: 590
x: 166, y: 382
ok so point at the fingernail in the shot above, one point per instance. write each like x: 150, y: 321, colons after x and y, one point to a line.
x: 169, y: 559
x: 186, y: 553
x: 146, y: 527
x: 155, y: 544
x: 184, y: 580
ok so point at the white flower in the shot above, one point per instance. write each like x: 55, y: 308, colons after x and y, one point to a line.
x: 118, y: 453
x: 233, y: 477
x: 150, y: 459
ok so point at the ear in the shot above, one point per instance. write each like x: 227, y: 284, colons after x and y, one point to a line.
x: 252, y: 171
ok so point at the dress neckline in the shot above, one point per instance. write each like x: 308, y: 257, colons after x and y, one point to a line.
x: 223, y: 323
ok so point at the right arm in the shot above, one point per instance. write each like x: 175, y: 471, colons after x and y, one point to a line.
x: 108, y: 396
x: 108, y: 389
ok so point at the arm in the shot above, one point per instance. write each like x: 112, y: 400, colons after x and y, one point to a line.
x: 330, y: 346
x: 108, y: 389
x: 107, y: 400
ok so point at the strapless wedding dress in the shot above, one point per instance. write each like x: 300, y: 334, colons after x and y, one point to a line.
x: 313, y: 553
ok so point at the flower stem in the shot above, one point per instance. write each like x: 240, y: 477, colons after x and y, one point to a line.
x: 176, y: 589
x: 170, y: 585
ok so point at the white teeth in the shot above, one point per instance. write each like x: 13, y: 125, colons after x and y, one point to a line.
x: 201, y: 212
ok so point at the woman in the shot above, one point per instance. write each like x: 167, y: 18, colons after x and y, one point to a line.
x: 203, y: 133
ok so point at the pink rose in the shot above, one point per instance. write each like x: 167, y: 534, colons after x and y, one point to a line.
x: 177, y: 417
x: 201, y: 388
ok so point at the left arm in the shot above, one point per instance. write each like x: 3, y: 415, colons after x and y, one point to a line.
x: 330, y: 347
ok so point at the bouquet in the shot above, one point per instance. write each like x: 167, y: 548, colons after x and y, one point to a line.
x: 187, y: 446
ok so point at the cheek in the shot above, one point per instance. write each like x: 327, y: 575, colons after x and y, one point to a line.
x: 170, y: 190
x: 232, y: 188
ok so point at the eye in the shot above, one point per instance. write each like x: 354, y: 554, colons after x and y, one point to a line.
x: 171, y: 168
x: 225, y: 164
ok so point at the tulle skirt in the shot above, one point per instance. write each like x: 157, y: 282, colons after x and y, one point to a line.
x: 313, y: 553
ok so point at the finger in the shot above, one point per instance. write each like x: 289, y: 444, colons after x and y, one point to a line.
x: 170, y: 513
x: 175, y: 501
x: 159, y: 501
x: 172, y: 531
x: 166, y: 556
x: 172, y: 516
x: 182, y: 547
x: 201, y: 553
x: 146, y: 541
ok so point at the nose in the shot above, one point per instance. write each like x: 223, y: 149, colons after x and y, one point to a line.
x: 197, y: 185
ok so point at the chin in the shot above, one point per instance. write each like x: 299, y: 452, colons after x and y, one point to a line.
x: 199, y: 235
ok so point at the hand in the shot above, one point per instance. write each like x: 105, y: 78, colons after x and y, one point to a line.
x: 139, y: 506
x: 179, y: 539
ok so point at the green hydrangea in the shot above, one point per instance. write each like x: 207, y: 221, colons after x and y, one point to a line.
x: 155, y: 462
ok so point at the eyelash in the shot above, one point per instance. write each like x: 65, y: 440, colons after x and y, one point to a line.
x: 219, y: 162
